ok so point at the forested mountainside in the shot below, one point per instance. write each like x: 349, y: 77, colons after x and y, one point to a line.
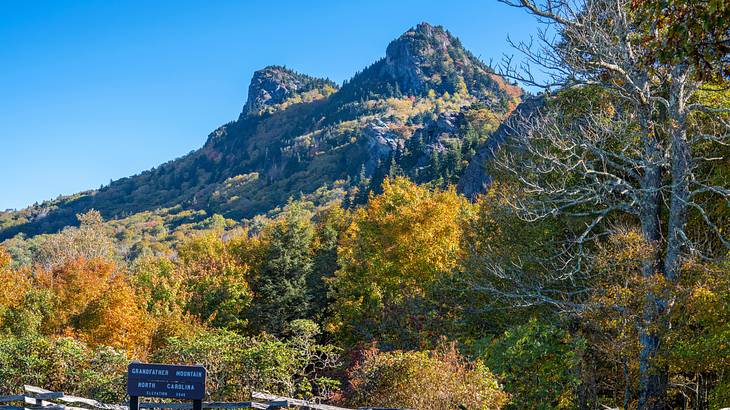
x: 421, y: 111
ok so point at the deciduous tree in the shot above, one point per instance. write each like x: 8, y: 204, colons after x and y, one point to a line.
x: 639, y: 160
x: 397, y: 248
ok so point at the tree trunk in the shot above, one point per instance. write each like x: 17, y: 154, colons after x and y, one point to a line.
x: 681, y: 158
x: 652, y: 380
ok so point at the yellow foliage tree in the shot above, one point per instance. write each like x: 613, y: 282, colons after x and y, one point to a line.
x: 396, y: 249
x: 217, y: 273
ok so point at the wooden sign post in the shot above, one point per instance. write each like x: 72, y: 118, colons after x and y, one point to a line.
x: 165, y: 381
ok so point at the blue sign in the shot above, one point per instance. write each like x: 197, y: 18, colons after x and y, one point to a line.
x: 166, y: 381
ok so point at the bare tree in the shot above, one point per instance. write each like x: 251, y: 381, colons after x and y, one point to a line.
x: 638, y: 161
x: 89, y: 240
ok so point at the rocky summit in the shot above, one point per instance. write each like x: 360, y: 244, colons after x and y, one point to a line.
x: 423, y: 111
x: 274, y: 86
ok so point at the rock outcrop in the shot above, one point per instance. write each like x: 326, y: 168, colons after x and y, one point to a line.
x: 428, y: 57
x: 381, y: 142
x: 275, y: 85
x: 476, y: 179
x: 413, y: 58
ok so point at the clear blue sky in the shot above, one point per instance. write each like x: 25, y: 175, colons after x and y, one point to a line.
x: 98, y: 90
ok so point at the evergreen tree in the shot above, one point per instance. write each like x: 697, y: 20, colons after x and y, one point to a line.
x: 281, y: 293
x: 394, y: 169
x: 389, y: 90
x: 362, y: 176
x: 325, y: 260
x: 398, y: 92
x: 435, y: 164
x: 362, y: 187
x: 381, y: 171
x: 452, y: 163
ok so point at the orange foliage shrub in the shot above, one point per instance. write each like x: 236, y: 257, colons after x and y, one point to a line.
x: 14, y: 284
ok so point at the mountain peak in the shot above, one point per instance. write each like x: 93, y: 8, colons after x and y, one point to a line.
x: 275, y: 86
x: 426, y: 28
x: 428, y: 57
x: 422, y: 39
x: 420, y: 55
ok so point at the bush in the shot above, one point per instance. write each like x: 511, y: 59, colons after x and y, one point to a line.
x: 62, y: 364
x: 440, y: 379
x: 238, y: 365
x: 538, y: 364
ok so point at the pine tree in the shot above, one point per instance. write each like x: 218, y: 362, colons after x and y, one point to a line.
x: 376, y: 182
x: 394, y: 169
x: 325, y: 260
x: 362, y: 176
x: 398, y: 92
x: 389, y: 90
x: 281, y: 293
x: 362, y: 188
x: 435, y: 164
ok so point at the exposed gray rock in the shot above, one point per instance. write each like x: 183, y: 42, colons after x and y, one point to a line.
x: 380, y: 142
x: 407, y: 58
x: 428, y: 57
x: 274, y: 85
x: 436, y: 133
x: 476, y: 179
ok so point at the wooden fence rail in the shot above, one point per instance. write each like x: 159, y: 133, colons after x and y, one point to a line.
x: 37, y: 398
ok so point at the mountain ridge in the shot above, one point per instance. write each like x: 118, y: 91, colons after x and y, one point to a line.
x: 420, y: 111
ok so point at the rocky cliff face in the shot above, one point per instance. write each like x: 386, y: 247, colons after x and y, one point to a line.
x: 428, y: 57
x: 273, y: 86
x: 476, y: 178
x: 415, y: 56
x: 419, y: 59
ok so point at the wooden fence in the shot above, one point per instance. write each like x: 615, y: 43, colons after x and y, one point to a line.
x: 36, y: 398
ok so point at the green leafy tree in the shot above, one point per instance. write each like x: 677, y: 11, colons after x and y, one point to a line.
x: 62, y: 364
x: 538, y: 363
x: 217, y: 275
x: 238, y: 365
x: 160, y: 282
x: 682, y: 30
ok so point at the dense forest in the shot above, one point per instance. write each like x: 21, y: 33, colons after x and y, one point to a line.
x: 425, y: 236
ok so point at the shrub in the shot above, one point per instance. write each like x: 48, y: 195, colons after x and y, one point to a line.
x: 439, y: 379
x: 238, y: 365
x: 538, y: 363
x: 62, y: 364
